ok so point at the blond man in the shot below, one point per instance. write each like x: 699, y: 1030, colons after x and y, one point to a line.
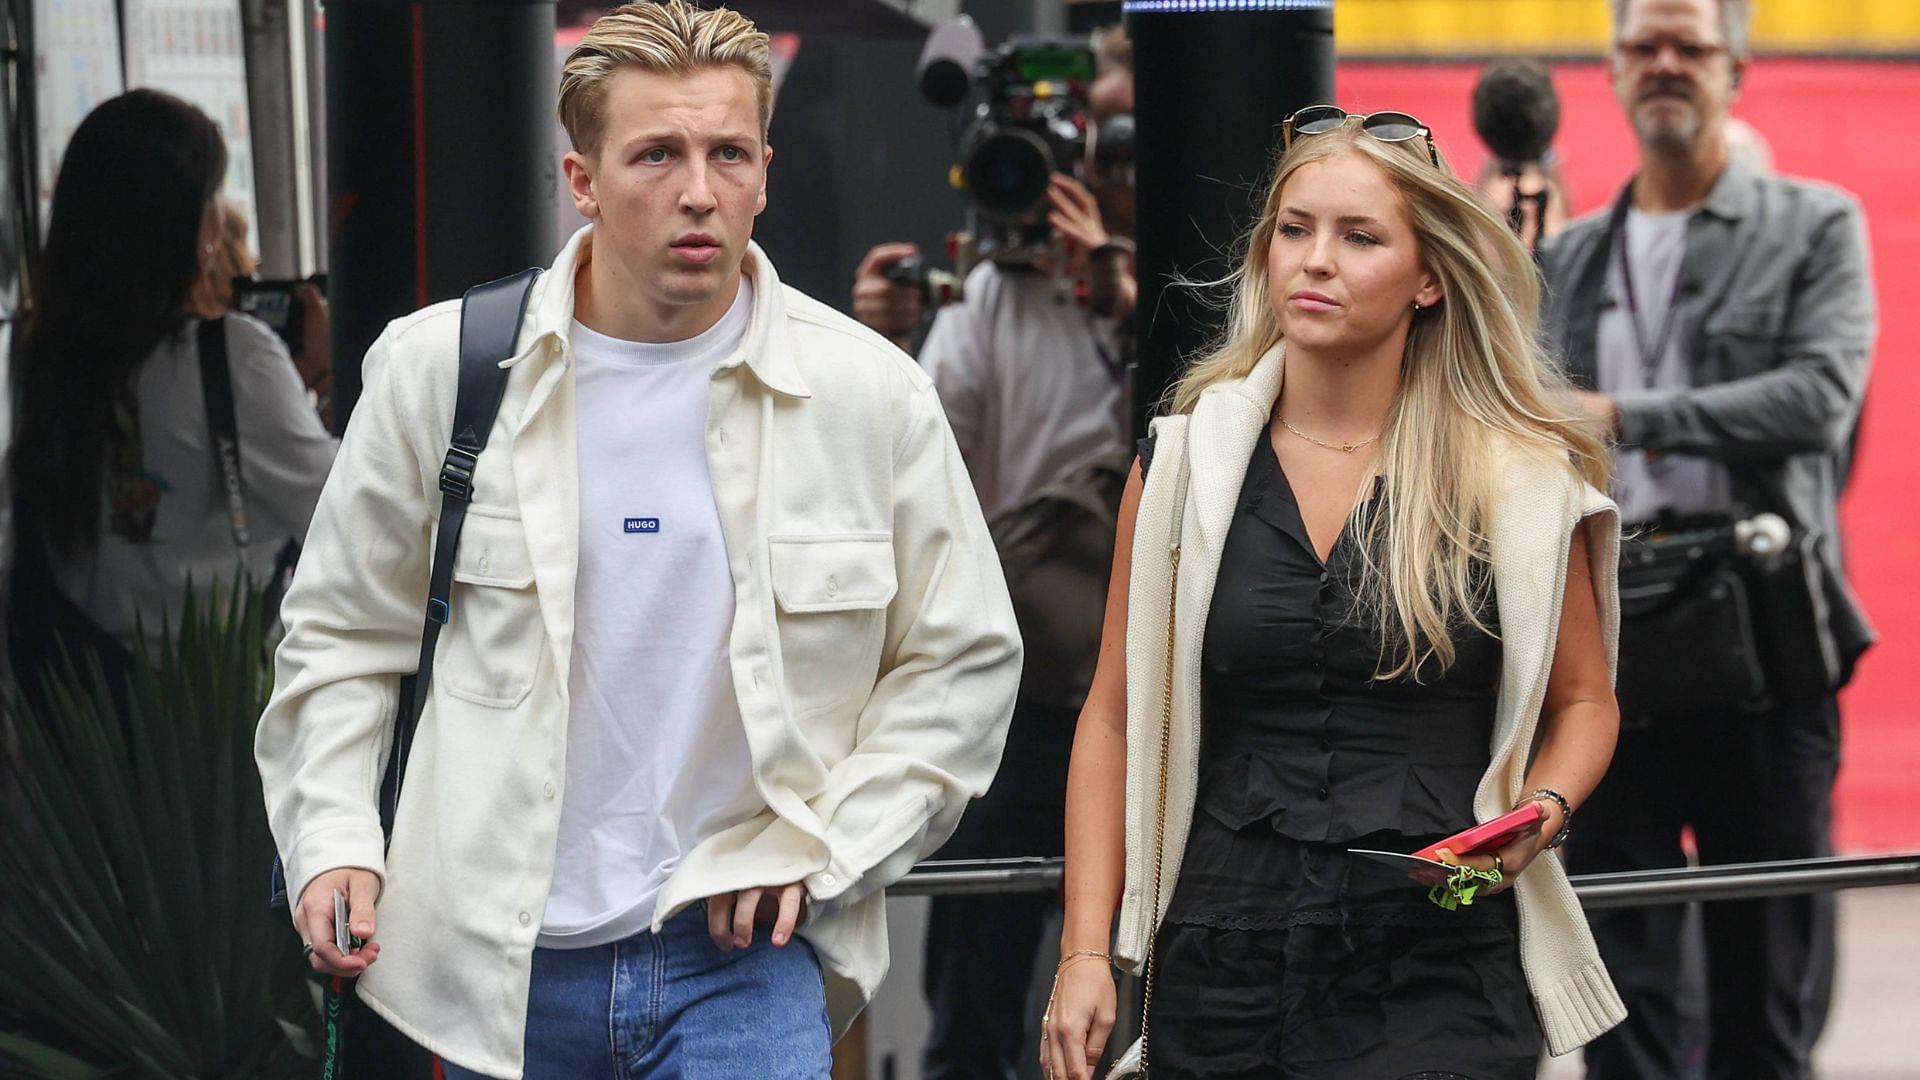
x: 730, y: 648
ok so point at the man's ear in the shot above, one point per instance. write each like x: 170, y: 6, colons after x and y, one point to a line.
x: 1739, y: 76
x: 766, y: 169
x: 579, y: 174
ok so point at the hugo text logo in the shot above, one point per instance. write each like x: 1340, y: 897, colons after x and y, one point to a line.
x: 643, y: 525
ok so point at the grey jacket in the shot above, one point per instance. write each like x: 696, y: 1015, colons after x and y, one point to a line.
x: 1777, y: 311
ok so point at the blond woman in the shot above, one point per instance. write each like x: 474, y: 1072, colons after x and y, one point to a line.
x: 1362, y: 597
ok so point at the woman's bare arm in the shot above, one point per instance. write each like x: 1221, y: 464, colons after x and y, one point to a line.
x: 1081, y: 1008
x: 1580, y: 719
x: 1097, y: 778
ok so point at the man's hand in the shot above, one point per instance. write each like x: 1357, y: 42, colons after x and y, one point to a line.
x: 1600, y: 408
x: 1075, y: 214
x: 1501, y: 191
x: 315, y: 358
x: 886, y: 306
x: 314, y: 919
x: 731, y: 917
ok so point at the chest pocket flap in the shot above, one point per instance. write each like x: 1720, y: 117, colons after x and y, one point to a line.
x: 490, y: 651
x: 493, y: 551
x: 838, y: 572
x: 1747, y: 318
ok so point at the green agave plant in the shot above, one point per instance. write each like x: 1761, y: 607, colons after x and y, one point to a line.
x: 135, y: 938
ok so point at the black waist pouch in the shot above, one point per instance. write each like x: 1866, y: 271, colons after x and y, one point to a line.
x: 1706, y: 628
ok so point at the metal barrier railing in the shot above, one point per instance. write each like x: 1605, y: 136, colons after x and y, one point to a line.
x: 1680, y: 885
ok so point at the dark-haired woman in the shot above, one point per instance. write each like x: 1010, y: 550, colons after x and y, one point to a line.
x: 120, y: 499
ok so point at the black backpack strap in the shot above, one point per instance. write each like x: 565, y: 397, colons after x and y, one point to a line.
x: 490, y: 318
x: 216, y: 390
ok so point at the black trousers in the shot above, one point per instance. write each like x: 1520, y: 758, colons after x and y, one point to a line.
x: 1754, y: 788
x: 981, y: 949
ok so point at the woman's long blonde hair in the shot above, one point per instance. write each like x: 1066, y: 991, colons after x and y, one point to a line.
x: 1476, y: 384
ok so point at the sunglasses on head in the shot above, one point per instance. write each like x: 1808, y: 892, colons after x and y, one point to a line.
x: 1389, y: 127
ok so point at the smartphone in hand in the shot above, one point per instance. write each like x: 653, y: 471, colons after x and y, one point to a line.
x: 343, y: 938
x: 1425, y: 864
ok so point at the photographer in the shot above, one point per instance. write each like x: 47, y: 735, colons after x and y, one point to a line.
x: 1034, y: 387
x: 1723, y: 320
x: 125, y: 498
x: 214, y: 296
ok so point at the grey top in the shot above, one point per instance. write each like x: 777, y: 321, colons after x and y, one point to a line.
x: 1637, y: 350
x: 285, y: 455
x: 1775, y: 324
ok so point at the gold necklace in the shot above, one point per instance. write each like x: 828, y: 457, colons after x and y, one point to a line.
x: 1345, y: 448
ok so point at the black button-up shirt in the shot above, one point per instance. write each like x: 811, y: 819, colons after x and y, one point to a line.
x: 1299, y: 738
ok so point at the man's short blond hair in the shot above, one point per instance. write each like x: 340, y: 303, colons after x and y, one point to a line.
x: 670, y: 36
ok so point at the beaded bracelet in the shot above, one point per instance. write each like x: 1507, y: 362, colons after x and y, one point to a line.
x: 1566, y: 813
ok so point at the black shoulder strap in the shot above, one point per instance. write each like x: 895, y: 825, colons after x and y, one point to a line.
x: 216, y: 389
x: 490, y: 317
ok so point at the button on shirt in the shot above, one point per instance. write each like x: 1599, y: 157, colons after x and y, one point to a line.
x: 1647, y: 483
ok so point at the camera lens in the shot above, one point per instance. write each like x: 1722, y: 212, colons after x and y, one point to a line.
x: 1113, y: 142
x: 1008, y: 172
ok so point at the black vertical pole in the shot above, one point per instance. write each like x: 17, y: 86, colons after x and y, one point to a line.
x: 440, y: 168
x: 1213, y: 80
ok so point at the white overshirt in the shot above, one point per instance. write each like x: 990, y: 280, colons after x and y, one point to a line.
x: 656, y: 758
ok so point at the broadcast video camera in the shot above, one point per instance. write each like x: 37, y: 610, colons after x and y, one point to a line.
x: 1031, y: 121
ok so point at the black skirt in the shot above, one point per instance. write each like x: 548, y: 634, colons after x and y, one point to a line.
x: 1327, y: 1001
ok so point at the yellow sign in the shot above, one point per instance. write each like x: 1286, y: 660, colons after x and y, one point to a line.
x: 1583, y: 27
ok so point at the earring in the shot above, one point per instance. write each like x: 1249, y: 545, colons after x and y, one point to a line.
x: 1417, y: 306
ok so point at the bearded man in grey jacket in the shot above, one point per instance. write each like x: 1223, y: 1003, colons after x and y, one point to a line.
x: 1722, y: 319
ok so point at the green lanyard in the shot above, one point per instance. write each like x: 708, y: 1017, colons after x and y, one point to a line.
x: 1461, y: 886
x: 335, y: 1001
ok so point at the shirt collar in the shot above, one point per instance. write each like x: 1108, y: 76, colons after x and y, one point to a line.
x: 1734, y: 193
x: 766, y: 350
x: 1731, y: 197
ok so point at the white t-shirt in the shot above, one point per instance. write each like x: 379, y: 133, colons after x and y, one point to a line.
x: 657, y: 757
x: 1645, y: 484
x: 1032, y: 387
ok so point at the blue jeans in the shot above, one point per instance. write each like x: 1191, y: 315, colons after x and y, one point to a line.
x: 673, y: 1004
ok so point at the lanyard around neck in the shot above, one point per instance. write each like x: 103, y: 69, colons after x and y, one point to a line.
x: 1649, y: 352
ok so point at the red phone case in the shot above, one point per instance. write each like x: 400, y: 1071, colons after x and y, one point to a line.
x: 1489, y: 836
